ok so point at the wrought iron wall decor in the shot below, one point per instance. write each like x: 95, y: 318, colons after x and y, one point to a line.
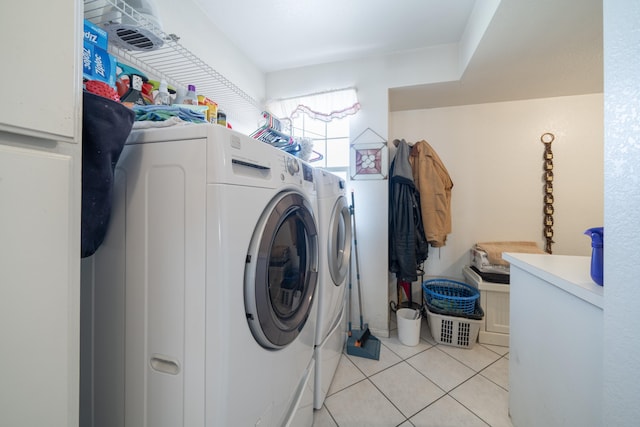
x: 547, y: 177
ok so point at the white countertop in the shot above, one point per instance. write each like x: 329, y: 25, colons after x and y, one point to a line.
x: 569, y: 273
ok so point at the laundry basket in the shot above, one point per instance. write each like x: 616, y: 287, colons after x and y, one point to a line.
x: 453, y: 330
x: 451, y: 296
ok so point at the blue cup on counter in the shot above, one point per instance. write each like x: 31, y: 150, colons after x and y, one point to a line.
x: 597, y: 253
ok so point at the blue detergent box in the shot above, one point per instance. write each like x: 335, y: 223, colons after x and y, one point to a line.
x: 95, y: 35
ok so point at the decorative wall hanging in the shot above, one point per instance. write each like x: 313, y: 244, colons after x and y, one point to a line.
x: 369, y: 156
x: 547, y: 177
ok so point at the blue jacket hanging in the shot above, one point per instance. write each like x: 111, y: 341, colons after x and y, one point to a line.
x: 408, y: 245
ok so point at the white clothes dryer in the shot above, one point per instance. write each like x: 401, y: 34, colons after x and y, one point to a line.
x: 205, y: 287
x: 335, y: 249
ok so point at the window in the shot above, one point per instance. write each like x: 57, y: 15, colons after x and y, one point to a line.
x: 330, y: 141
x: 324, y: 118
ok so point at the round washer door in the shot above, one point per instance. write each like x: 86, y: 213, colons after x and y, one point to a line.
x: 339, y: 245
x: 281, y: 271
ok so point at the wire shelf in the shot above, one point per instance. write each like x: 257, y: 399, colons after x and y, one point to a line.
x: 176, y: 64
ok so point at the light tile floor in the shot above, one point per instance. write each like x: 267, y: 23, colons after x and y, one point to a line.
x: 427, y: 385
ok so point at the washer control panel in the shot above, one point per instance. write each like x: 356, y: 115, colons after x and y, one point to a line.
x: 296, y: 168
x: 292, y: 165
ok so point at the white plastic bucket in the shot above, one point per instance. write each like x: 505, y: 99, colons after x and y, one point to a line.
x: 409, y: 321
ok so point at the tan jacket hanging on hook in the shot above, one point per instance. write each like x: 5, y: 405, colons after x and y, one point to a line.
x: 434, y: 185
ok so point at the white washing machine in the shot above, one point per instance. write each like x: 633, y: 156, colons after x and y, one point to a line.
x: 334, y: 221
x: 205, y: 287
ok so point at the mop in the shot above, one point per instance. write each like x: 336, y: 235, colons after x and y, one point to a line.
x: 360, y: 343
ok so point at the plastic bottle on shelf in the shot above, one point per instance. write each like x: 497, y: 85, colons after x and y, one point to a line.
x: 162, y: 97
x: 191, y: 97
x: 180, y: 95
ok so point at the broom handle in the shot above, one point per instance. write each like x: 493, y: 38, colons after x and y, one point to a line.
x: 349, y: 296
x: 355, y: 244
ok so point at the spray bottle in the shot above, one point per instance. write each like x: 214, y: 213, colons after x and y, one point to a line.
x: 597, y: 253
x: 162, y: 97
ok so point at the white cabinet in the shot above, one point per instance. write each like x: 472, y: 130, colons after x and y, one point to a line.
x: 494, y: 300
x: 39, y: 289
x: 39, y: 75
x: 40, y: 203
x: 556, y: 352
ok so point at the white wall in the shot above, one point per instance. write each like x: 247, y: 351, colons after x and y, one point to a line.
x: 494, y: 156
x: 371, y: 77
x: 622, y: 213
x: 187, y: 20
x: 501, y: 141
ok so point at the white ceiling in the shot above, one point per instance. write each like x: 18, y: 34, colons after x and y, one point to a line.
x: 531, y: 49
x: 283, y: 34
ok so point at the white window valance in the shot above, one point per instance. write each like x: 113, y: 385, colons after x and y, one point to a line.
x: 325, y: 106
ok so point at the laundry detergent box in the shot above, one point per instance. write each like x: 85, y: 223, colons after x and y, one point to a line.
x: 95, y: 35
x: 98, y: 64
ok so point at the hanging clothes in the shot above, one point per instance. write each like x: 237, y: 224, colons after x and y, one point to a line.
x: 434, y: 185
x: 407, y: 243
